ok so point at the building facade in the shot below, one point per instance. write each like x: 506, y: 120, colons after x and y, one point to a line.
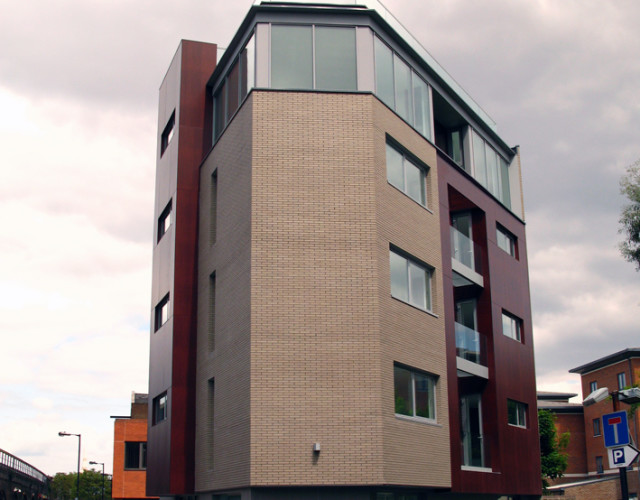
x: 130, y: 451
x: 588, y: 467
x: 340, y: 285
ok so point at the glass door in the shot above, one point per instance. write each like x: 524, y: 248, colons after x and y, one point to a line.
x: 471, y: 429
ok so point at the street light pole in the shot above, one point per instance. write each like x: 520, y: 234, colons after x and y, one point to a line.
x: 79, y: 436
x: 100, y: 463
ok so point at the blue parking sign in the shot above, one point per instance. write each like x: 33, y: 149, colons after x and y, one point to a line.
x: 615, y: 429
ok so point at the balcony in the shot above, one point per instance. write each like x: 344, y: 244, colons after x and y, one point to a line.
x: 466, y: 257
x: 471, y: 351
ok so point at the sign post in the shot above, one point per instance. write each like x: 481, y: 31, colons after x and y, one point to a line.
x: 617, y: 441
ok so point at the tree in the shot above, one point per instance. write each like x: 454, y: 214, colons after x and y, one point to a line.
x: 63, y: 486
x: 553, y: 456
x: 630, y: 217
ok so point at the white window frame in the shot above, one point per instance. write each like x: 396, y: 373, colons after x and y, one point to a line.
x: 520, y: 414
x: 414, y: 265
x: 506, y: 241
x: 622, y: 380
x: 432, y: 394
x: 406, y: 159
x: 515, y: 326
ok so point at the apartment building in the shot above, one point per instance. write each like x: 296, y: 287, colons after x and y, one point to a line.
x: 340, y: 284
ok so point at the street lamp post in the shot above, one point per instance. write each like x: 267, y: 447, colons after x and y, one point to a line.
x: 79, y: 436
x: 100, y: 463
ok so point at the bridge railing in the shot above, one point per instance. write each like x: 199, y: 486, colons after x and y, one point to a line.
x: 13, y: 462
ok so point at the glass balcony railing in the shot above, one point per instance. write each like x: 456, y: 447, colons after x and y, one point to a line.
x: 465, y: 251
x: 475, y: 452
x: 470, y: 345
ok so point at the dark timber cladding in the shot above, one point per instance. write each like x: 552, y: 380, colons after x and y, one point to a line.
x: 173, y: 346
x: 510, y: 363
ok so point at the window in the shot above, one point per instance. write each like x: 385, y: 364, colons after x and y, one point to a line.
x: 162, y: 312
x: 164, y: 221
x: 234, y: 87
x: 159, y: 408
x: 167, y: 133
x: 599, y: 466
x: 511, y: 326
x: 593, y: 386
x: 491, y: 170
x: 410, y: 281
x: 404, y: 174
x: 506, y: 241
x: 313, y: 57
x: 596, y: 427
x: 622, y: 381
x: 400, y: 88
x: 135, y: 455
x: 212, y: 313
x: 213, y: 208
x: 414, y: 393
x: 517, y: 413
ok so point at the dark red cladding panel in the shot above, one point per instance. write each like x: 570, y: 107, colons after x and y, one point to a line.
x: 510, y: 363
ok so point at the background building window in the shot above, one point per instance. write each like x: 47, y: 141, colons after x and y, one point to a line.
x: 599, y: 466
x: 406, y: 175
x: 135, y: 455
x: 622, y: 380
x: 410, y: 282
x: 164, y: 221
x: 506, y: 241
x: 511, y: 326
x: 414, y: 393
x: 160, y: 408
x: 517, y: 413
x: 593, y: 386
x: 162, y: 312
x: 596, y: 427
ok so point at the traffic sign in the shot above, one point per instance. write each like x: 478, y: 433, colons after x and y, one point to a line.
x: 616, y: 429
x: 622, y: 456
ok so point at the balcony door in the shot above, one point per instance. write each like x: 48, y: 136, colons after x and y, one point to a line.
x: 471, y: 429
x: 467, y: 336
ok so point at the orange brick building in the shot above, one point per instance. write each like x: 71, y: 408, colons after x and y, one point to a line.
x: 588, y: 474
x: 130, y: 451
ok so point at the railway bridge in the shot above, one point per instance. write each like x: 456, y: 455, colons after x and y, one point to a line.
x: 20, y: 480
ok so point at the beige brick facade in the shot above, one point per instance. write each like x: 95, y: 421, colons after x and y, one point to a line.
x: 306, y: 331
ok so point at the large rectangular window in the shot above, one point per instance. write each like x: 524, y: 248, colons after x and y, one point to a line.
x: 291, y: 57
x: 410, y: 281
x: 135, y: 455
x: 414, y: 393
x: 404, y: 174
x: 491, y: 170
x: 335, y: 58
x: 517, y: 413
x: 511, y: 326
x: 159, y: 408
x: 384, y: 73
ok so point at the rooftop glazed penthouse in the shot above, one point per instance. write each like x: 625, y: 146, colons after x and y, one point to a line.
x: 340, y: 287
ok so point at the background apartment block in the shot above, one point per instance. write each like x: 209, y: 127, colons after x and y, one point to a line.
x: 588, y: 474
x: 340, y: 285
x: 130, y: 451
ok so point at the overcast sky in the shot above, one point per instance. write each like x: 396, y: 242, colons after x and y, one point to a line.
x: 78, y: 98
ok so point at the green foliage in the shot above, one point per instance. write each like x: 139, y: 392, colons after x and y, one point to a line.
x: 630, y: 216
x: 553, y: 456
x: 63, y: 486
